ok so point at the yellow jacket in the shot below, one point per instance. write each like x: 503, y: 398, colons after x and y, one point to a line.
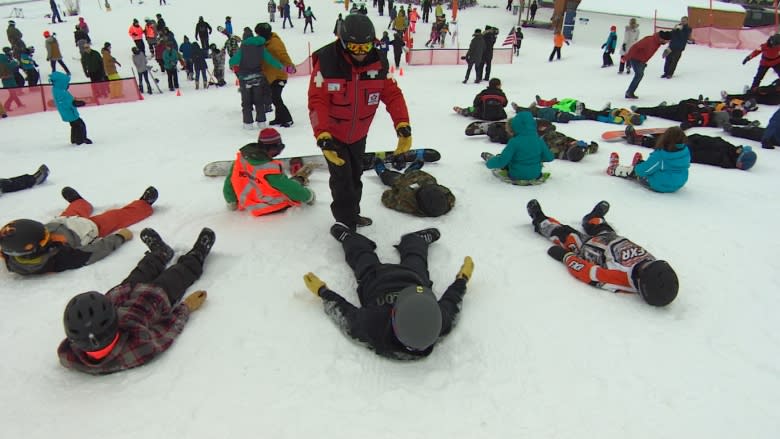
x: 275, y: 46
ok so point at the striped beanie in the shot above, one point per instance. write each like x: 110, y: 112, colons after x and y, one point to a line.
x: 269, y: 136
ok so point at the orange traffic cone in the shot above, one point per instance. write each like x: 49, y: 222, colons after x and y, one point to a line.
x: 392, y: 69
x: 178, y: 92
x: 400, y: 71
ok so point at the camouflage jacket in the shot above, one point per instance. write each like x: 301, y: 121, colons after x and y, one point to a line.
x: 558, y: 143
x: 401, y: 196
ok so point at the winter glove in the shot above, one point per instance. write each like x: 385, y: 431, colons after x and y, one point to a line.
x: 125, y: 234
x: 404, y: 132
x: 313, y: 283
x: 603, y: 46
x: 558, y: 253
x: 195, y: 300
x: 313, y: 197
x: 466, y: 269
x: 745, y: 61
x: 232, y: 205
x: 325, y: 141
x: 302, y: 174
x: 78, y: 103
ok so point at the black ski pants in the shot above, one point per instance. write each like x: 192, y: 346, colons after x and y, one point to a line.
x: 761, y: 72
x: 253, y: 98
x: 282, y: 114
x: 487, y: 61
x: 174, y: 280
x: 16, y: 183
x: 144, y: 76
x: 78, y: 132
x: 346, y: 186
x: 670, y: 65
x: 173, y: 78
x: 139, y: 43
x: 360, y: 254
x: 54, y: 62
x: 555, y: 51
x: 477, y: 69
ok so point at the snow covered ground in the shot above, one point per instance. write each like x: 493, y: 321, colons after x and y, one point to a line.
x: 666, y: 9
x: 536, y: 353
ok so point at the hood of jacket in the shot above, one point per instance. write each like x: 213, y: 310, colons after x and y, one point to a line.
x: 59, y: 80
x: 523, y: 124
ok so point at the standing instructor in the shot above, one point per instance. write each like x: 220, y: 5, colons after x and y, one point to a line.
x: 349, y: 79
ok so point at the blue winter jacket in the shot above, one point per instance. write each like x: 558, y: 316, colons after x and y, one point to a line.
x: 525, y: 152
x: 186, y: 50
x: 772, y: 132
x: 665, y: 171
x: 62, y: 97
x: 611, y: 43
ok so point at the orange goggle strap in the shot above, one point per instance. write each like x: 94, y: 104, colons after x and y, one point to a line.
x: 30, y: 247
x: 102, y: 353
x: 360, y: 48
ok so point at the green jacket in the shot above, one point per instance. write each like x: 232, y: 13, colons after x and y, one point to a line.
x: 402, y: 196
x: 92, y: 63
x: 568, y: 105
x: 525, y: 152
x: 256, y: 41
x: 284, y: 184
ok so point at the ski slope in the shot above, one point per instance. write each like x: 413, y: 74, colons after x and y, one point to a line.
x: 536, y: 353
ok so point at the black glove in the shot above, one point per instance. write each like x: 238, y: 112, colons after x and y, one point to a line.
x: 745, y: 61
x: 557, y: 252
x: 604, y: 45
x: 77, y: 103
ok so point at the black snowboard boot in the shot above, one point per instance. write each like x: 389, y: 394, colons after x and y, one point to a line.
x: 363, y: 221
x: 340, y: 232
x: 156, y: 245
x: 535, y: 212
x: 41, y: 174
x: 70, y: 195
x: 599, y: 210
x: 428, y: 235
x: 203, y: 245
x: 149, y: 195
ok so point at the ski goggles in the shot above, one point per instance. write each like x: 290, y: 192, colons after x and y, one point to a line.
x: 360, y: 48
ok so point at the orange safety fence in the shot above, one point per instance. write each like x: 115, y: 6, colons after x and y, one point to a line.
x: 746, y: 38
x: 20, y: 101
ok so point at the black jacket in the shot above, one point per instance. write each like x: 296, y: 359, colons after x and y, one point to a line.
x: 202, y: 28
x: 372, y: 323
x: 490, y: 39
x: 476, y: 49
x: 489, y: 104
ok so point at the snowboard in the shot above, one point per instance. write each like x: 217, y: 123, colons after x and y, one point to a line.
x: 612, y: 136
x: 481, y: 127
x: 503, y: 175
x: 292, y: 164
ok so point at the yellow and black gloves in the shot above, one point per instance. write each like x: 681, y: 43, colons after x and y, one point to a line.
x: 313, y: 283
x: 466, y: 269
x: 195, y: 300
x: 404, y: 132
x: 328, y: 147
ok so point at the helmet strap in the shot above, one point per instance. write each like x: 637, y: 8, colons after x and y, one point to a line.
x: 103, y: 353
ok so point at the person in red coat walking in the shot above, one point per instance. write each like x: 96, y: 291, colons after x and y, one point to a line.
x: 638, y: 56
x: 141, y: 317
x: 770, y: 59
x: 348, y: 82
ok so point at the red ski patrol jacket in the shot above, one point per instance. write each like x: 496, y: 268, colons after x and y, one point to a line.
x: 344, y: 96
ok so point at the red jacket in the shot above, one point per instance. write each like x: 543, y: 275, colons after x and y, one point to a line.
x: 343, y: 97
x: 644, y: 49
x: 770, y: 56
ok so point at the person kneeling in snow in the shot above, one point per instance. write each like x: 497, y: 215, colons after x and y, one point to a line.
x: 602, y: 258
x: 256, y: 182
x: 665, y: 170
x: 139, y: 318
x: 488, y: 104
x: 414, y: 191
x: 399, y: 317
x: 73, y: 239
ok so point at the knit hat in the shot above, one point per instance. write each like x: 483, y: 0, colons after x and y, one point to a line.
x: 746, y: 159
x: 269, y: 137
x: 46, y: 34
x: 613, y: 28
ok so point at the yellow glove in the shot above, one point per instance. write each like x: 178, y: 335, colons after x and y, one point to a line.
x: 333, y: 157
x: 125, y: 234
x: 404, y: 132
x: 195, y: 300
x: 466, y: 269
x: 313, y: 283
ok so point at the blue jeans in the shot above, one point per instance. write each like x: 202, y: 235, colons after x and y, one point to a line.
x: 639, y: 73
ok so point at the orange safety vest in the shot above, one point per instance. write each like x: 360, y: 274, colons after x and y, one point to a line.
x: 253, y: 191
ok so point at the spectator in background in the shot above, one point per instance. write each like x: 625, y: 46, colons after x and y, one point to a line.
x: 679, y: 39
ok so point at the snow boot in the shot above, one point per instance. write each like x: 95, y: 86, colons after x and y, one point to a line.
x: 41, y: 174
x: 156, y: 245
x: 149, y: 195
x: 599, y: 210
x: 614, y: 161
x: 637, y: 159
x: 70, y: 195
x: 340, y: 231
x: 428, y: 235
x: 535, y: 212
x: 203, y: 244
x: 363, y: 221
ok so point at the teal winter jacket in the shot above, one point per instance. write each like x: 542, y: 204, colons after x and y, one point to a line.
x: 525, y: 152
x: 62, y: 97
x: 665, y: 171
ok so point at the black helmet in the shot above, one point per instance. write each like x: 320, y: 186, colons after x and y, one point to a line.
x: 263, y: 30
x: 432, y: 200
x: 657, y: 283
x: 774, y: 40
x: 23, y: 237
x: 356, y: 28
x: 416, y: 317
x: 90, y: 321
